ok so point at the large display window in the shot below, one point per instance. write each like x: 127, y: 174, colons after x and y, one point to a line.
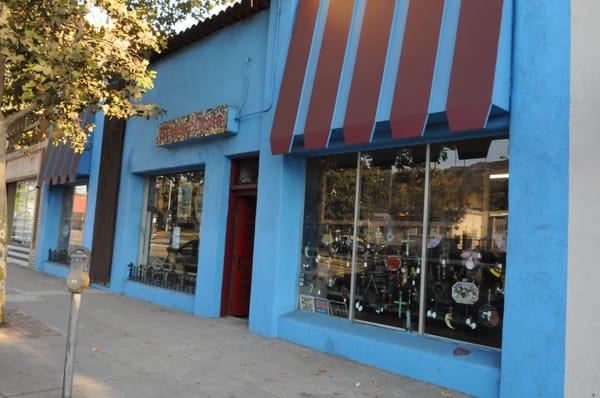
x: 72, y: 217
x: 466, y: 249
x: 171, y: 238
x: 365, y: 254
x: 390, y: 230
x: 24, y: 213
x: 72, y: 222
x: 326, y: 266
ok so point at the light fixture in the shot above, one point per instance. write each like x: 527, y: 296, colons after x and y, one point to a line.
x: 501, y: 176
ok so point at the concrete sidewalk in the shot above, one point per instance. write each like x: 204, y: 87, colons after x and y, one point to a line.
x: 129, y: 348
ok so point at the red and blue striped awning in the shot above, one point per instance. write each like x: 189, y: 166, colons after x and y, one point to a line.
x: 354, y: 64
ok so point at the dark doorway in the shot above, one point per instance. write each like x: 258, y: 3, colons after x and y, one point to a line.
x: 237, y: 273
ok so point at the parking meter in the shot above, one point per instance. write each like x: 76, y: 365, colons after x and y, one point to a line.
x: 78, y: 280
x: 79, y: 275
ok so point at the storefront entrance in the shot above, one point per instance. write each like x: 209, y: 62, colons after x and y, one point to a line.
x: 237, y: 274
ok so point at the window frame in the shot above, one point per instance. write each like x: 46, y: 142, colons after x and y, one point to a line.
x: 424, y: 255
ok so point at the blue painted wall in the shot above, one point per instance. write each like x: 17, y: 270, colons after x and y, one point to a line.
x: 252, y: 53
x: 277, y: 256
x: 534, y: 321
x: 226, y: 68
x: 51, y: 204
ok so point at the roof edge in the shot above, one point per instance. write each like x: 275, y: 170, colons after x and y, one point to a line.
x: 228, y: 17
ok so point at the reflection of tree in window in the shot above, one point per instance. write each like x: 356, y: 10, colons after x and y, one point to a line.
x: 174, y: 211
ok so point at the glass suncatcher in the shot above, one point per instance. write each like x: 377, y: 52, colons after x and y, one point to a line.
x: 365, y: 256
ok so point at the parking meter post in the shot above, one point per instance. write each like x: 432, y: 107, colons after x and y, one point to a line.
x: 67, y: 388
x: 78, y: 280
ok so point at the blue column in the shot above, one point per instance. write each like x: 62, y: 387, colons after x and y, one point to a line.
x: 92, y: 188
x: 129, y: 219
x: 212, y: 235
x: 278, y: 240
x: 49, y: 225
x: 534, y: 322
x: 280, y: 202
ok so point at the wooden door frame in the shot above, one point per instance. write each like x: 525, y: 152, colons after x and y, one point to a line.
x: 235, y: 193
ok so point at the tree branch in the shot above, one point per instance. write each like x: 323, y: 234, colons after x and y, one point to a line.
x: 13, y: 117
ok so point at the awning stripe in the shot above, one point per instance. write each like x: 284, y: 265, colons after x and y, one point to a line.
x: 293, y: 76
x: 329, y: 69
x: 410, y: 108
x: 474, y: 65
x: 72, y: 176
x: 50, y: 163
x: 66, y: 167
x: 43, y: 166
x: 398, y: 65
x: 359, y: 122
x: 59, y: 165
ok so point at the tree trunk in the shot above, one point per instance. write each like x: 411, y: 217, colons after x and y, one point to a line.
x: 3, y: 217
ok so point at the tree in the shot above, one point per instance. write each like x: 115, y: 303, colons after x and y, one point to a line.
x: 164, y: 15
x: 57, y: 61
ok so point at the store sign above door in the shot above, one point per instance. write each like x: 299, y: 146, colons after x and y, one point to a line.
x: 355, y: 69
x: 214, y: 122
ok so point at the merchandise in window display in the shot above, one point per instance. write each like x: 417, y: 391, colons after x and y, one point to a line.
x: 387, y: 282
x: 456, y: 281
x: 465, y: 239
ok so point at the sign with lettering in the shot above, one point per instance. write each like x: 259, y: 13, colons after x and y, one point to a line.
x: 307, y: 303
x: 321, y: 306
x: 211, y: 122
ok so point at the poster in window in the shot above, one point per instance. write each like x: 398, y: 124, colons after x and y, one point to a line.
x: 176, y: 237
x: 184, y: 200
x: 321, y: 306
x: 307, y: 303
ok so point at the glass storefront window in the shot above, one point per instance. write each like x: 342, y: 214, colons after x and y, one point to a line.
x: 325, y: 271
x: 23, y: 213
x: 72, y: 217
x: 390, y: 230
x: 377, y: 267
x: 173, y: 218
x: 466, y: 248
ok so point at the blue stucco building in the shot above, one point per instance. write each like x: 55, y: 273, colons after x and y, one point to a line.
x: 385, y: 181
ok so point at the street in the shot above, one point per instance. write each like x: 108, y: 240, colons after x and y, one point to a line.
x: 129, y: 348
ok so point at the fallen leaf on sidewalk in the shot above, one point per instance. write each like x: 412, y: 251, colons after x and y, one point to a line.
x: 446, y: 394
x: 305, y: 356
x: 320, y: 371
x: 94, y: 349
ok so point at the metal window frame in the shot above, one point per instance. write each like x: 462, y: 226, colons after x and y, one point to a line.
x: 424, y: 234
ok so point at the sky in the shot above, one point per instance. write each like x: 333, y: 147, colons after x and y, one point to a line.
x: 99, y: 18
x: 183, y: 25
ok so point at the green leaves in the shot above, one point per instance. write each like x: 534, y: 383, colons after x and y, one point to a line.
x: 165, y: 15
x: 59, y: 64
x: 63, y: 57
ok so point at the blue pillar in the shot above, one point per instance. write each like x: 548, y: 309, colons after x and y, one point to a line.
x: 277, y: 244
x: 129, y: 220
x: 212, y: 235
x: 280, y: 202
x: 92, y: 188
x: 534, y: 321
x: 49, y: 224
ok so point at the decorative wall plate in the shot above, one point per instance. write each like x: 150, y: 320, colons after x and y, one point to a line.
x: 465, y: 293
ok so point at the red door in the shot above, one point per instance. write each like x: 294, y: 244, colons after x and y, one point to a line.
x: 243, y: 248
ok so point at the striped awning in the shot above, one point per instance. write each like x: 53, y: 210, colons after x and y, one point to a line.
x: 356, y: 65
x: 59, y: 164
